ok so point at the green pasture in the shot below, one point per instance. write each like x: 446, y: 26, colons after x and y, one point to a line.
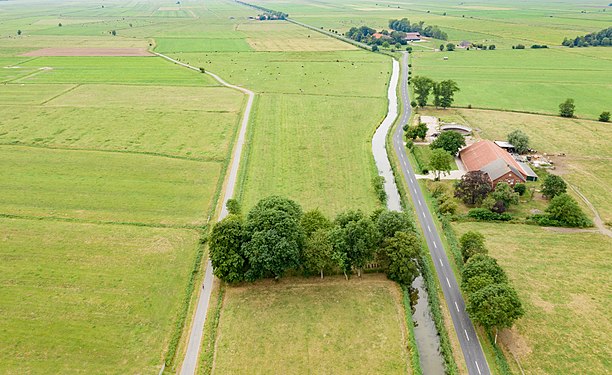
x: 560, y: 278
x: 527, y: 80
x: 315, y: 151
x: 175, y: 45
x: 82, y: 298
x: 311, y: 73
x: 422, y: 154
x: 305, y: 326
x: 105, y: 186
x: 112, y: 70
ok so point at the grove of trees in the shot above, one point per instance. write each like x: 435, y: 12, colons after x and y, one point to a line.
x: 601, y: 38
x: 276, y: 237
x: 429, y: 31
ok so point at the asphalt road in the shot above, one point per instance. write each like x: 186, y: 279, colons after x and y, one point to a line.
x: 470, y: 346
x: 197, y: 327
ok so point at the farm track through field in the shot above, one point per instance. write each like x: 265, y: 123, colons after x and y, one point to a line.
x: 197, y: 327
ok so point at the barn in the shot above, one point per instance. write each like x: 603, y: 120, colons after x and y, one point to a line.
x: 496, y: 162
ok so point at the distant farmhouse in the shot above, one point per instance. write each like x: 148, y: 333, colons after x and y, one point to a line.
x: 497, y: 163
x: 413, y: 37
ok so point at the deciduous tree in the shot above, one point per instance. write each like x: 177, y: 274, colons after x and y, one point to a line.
x: 506, y: 194
x: 318, y: 252
x: 473, y: 187
x: 355, y: 237
x: 472, y: 243
x: 450, y: 141
x: 567, y: 108
x: 495, y: 306
x: 225, y: 246
x: 564, y: 209
x: 422, y: 89
x: 398, y: 257
x: 553, y: 185
x: 519, y: 140
x: 447, y: 88
x: 440, y: 162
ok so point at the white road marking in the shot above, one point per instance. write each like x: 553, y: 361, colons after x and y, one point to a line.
x: 428, y: 228
x: 456, y: 306
x: 466, y: 335
x: 420, y: 203
x: 448, y: 282
x: 440, y: 260
x: 477, y: 367
x: 436, y: 246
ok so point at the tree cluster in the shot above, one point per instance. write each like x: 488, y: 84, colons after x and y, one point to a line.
x: 443, y: 92
x: 448, y: 141
x: 429, y: 31
x: 491, y: 300
x: 272, y: 15
x: 601, y: 38
x: 475, y: 188
x: 519, y: 140
x: 277, y: 237
x: 563, y: 210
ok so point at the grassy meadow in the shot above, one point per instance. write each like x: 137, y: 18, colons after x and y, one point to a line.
x: 109, y: 167
x: 561, y: 279
x: 84, y: 298
x: 523, y: 80
x: 313, y: 325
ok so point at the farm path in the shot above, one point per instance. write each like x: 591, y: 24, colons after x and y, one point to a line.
x: 468, y: 340
x: 601, y: 226
x: 197, y: 327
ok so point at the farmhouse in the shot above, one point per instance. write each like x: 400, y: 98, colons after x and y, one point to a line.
x: 381, y: 36
x: 413, y: 37
x: 497, y: 163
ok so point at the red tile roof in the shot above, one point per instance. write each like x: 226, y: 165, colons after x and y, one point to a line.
x: 478, y: 155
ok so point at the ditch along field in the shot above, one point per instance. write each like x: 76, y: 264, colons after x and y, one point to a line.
x: 301, y: 326
x: 561, y: 279
x: 521, y: 80
x: 109, y: 168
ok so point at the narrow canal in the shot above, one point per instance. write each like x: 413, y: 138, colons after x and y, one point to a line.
x: 426, y: 335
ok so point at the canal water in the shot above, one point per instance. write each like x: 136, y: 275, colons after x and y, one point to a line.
x: 426, y: 335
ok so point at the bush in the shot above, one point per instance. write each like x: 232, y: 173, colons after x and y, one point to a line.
x: 564, y: 209
x: 520, y: 188
x: 378, y: 183
x: 483, y: 214
x: 604, y: 116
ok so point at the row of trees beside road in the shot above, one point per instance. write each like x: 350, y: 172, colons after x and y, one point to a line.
x: 277, y: 237
x: 491, y: 300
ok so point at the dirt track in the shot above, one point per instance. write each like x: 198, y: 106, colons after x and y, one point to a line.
x: 89, y: 52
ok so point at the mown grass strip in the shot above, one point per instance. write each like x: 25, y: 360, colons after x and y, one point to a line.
x: 415, y: 358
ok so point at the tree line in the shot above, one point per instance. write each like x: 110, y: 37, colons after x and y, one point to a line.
x: 601, y: 38
x: 276, y: 237
x: 492, y: 301
x: 405, y: 26
x: 365, y: 34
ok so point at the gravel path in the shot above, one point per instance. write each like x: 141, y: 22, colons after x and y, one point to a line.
x: 197, y: 327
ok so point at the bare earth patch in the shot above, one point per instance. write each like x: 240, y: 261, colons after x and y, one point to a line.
x: 89, y: 52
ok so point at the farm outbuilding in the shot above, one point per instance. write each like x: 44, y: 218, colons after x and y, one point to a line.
x: 413, y: 37
x: 497, y: 163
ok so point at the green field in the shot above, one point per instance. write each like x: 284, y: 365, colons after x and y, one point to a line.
x: 561, y: 279
x: 303, y: 326
x: 81, y: 298
x: 523, y: 80
x: 103, y: 162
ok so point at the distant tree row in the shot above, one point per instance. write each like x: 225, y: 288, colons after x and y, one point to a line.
x: 365, y: 34
x: 491, y: 300
x: 600, y: 38
x: 277, y: 237
x: 272, y: 15
x: 429, y: 31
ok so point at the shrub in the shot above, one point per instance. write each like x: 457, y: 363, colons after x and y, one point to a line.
x: 378, y: 183
x: 483, y: 214
x: 520, y: 188
x: 604, y: 116
x: 564, y: 209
